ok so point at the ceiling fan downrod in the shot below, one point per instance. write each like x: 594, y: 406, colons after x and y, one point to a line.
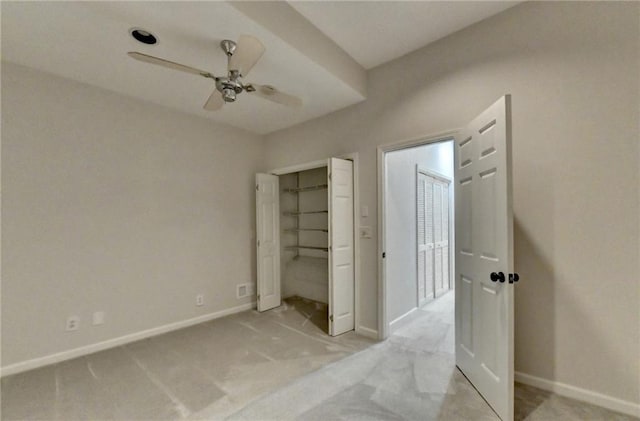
x: 229, y: 86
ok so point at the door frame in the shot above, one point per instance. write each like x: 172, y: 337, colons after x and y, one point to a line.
x: 382, y: 150
x: 449, y: 181
x: 355, y: 158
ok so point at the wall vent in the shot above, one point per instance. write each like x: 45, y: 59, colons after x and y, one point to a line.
x: 243, y: 290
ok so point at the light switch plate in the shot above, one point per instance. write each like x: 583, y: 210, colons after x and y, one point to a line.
x: 98, y: 318
x: 364, y: 211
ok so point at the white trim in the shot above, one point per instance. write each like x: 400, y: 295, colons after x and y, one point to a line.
x: 398, y: 319
x: 300, y: 167
x: 365, y: 331
x: 434, y: 174
x: 122, y: 340
x: 383, y: 325
x: 573, y: 392
x: 398, y: 322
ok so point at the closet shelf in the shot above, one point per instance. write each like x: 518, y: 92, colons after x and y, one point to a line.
x: 308, y: 247
x: 306, y: 229
x: 304, y: 213
x: 308, y: 188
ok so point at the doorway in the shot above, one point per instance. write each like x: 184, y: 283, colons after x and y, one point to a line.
x: 312, y: 257
x: 483, y: 262
x: 417, y: 217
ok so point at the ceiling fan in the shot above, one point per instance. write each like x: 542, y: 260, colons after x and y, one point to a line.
x: 241, y: 57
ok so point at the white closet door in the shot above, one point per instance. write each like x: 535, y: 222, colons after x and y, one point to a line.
x: 484, y: 245
x: 422, y: 236
x: 429, y: 263
x: 445, y: 237
x: 341, y: 256
x: 437, y: 237
x: 268, y: 241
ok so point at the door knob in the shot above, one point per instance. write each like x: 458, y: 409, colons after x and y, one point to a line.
x: 495, y: 277
x: 513, y: 277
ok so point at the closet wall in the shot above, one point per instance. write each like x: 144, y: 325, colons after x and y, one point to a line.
x: 304, y: 223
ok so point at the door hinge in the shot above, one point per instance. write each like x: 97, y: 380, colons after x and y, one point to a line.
x: 257, y: 187
x: 258, y: 243
x: 258, y: 297
x: 331, y: 318
x: 384, y: 254
x: 329, y: 176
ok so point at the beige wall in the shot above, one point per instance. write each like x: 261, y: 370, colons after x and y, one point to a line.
x: 111, y: 204
x: 572, y: 69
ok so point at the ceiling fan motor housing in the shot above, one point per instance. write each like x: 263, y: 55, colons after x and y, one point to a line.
x: 229, y: 88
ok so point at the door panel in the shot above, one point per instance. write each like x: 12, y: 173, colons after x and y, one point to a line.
x: 484, y: 244
x: 445, y: 237
x: 341, y: 250
x: 422, y: 238
x: 429, y: 272
x: 437, y: 237
x: 268, y: 241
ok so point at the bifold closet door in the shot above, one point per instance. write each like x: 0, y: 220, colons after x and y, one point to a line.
x: 422, y: 237
x: 425, y: 237
x: 433, y: 237
x: 446, y: 260
x: 341, y: 251
x: 268, y: 241
x: 441, y: 236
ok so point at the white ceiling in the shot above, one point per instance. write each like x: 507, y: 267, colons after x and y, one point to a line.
x: 88, y: 42
x: 379, y: 31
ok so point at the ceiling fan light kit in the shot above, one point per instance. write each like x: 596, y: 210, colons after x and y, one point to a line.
x: 241, y: 57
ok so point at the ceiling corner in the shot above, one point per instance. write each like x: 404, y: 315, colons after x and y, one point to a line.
x: 288, y: 24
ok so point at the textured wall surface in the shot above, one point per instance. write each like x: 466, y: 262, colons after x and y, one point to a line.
x: 572, y: 69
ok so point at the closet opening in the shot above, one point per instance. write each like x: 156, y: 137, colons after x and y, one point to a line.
x: 417, y: 217
x: 304, y: 257
x: 306, y: 242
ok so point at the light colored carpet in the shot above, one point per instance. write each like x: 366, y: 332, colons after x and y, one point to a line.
x: 278, y: 365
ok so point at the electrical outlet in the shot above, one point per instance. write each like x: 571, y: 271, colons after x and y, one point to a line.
x: 199, y: 300
x: 98, y: 318
x: 73, y: 323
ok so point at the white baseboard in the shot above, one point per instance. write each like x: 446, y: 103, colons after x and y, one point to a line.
x: 122, y: 340
x: 398, y: 322
x: 573, y: 392
x: 365, y: 331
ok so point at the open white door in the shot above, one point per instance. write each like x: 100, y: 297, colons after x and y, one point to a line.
x: 341, y: 257
x: 484, y: 245
x: 268, y: 241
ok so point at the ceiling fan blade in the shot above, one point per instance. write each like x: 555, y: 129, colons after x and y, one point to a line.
x: 215, y: 101
x: 169, y: 64
x: 248, y: 52
x: 272, y: 94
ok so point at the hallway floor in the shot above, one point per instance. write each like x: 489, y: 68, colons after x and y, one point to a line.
x: 278, y: 365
